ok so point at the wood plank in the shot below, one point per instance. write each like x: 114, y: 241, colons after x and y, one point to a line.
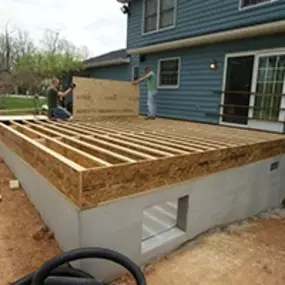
x: 58, y: 170
x: 190, y: 139
x: 80, y: 157
x: 129, y: 152
x: 170, y: 146
x: 129, y: 144
x: 116, y: 182
x: 98, y: 152
x: 182, y: 144
x: 193, y: 145
x: 103, y: 98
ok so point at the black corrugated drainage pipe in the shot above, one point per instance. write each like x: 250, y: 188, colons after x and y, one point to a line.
x: 53, y: 272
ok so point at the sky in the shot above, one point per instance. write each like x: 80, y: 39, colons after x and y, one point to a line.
x: 99, y: 25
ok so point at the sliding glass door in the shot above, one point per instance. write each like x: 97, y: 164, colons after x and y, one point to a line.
x: 269, y: 87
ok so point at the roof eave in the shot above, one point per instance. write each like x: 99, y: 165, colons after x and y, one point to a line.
x: 235, y: 34
x: 106, y: 63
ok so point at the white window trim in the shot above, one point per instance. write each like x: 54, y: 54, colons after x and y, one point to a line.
x: 254, y: 5
x: 178, y: 75
x: 256, y: 54
x: 157, y: 23
x: 133, y: 71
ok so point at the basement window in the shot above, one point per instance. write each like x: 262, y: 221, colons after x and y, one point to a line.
x: 164, y: 223
x: 252, y: 3
x: 168, y: 72
x: 158, y: 15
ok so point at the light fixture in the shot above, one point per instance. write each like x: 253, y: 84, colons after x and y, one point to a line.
x: 125, y: 9
x: 213, y: 65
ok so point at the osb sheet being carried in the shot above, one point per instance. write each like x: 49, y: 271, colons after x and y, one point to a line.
x: 96, y: 162
x: 94, y: 98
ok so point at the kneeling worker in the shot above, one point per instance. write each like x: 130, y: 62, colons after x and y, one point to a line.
x: 55, y: 111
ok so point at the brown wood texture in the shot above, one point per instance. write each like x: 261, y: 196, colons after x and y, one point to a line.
x: 69, y: 152
x: 94, y: 98
x: 106, y: 184
x: 100, y: 161
x: 58, y: 170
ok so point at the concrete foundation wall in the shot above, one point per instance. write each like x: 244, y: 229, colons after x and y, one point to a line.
x: 58, y: 213
x: 203, y: 203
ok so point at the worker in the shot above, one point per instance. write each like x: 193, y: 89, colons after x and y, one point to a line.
x: 150, y: 78
x: 55, y: 111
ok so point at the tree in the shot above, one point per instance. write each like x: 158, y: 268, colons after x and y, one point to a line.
x: 31, y: 65
x: 42, y: 65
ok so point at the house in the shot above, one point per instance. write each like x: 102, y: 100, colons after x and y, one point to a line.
x: 114, y: 65
x: 220, y: 62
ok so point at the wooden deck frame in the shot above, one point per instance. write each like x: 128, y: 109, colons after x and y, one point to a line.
x: 93, y: 163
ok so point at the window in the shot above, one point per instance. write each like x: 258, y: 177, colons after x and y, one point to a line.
x: 269, y: 87
x: 168, y: 70
x: 158, y: 14
x: 136, y: 73
x: 250, y: 3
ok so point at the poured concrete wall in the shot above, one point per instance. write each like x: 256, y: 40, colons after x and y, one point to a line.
x: 204, y: 203
x: 59, y: 214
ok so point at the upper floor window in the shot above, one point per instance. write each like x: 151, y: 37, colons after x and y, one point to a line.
x: 169, y: 72
x: 158, y: 14
x: 249, y: 3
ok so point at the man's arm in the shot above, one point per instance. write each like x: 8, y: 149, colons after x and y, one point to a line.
x: 142, y: 79
x: 65, y: 93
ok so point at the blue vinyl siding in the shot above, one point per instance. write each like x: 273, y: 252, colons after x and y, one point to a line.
x: 194, y: 99
x: 117, y: 72
x: 195, y: 17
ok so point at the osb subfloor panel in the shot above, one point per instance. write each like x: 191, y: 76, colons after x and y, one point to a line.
x: 20, y: 253
x: 95, y: 162
x: 250, y: 255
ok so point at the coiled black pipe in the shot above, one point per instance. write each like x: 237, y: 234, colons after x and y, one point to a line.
x: 50, y: 273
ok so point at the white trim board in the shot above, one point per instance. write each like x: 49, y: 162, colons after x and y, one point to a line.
x: 252, y: 6
x: 252, y: 123
x: 106, y: 63
x: 133, y: 72
x: 277, y: 27
x: 178, y: 75
x: 157, y: 30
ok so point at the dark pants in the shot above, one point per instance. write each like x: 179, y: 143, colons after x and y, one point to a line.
x: 60, y: 113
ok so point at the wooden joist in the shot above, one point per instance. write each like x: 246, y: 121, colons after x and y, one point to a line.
x: 65, y: 176
x: 98, y: 152
x: 82, y: 158
x: 92, y: 163
x: 139, y: 145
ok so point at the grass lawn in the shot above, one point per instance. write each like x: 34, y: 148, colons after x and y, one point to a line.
x: 11, y: 103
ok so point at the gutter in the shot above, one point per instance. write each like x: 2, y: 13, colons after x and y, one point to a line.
x: 112, y: 62
x: 235, y: 34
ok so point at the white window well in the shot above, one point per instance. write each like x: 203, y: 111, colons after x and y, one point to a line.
x: 252, y: 3
x: 158, y: 15
x: 169, y: 72
x: 163, y: 223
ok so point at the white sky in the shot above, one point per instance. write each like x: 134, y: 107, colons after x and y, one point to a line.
x: 99, y: 25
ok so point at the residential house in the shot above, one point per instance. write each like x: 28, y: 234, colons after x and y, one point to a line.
x: 113, y: 65
x: 220, y: 62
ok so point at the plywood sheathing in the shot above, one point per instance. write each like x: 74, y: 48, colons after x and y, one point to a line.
x: 120, y: 157
x: 103, y: 98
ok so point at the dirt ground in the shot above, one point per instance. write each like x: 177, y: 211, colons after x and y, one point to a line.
x: 251, y: 253
x: 20, y: 253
